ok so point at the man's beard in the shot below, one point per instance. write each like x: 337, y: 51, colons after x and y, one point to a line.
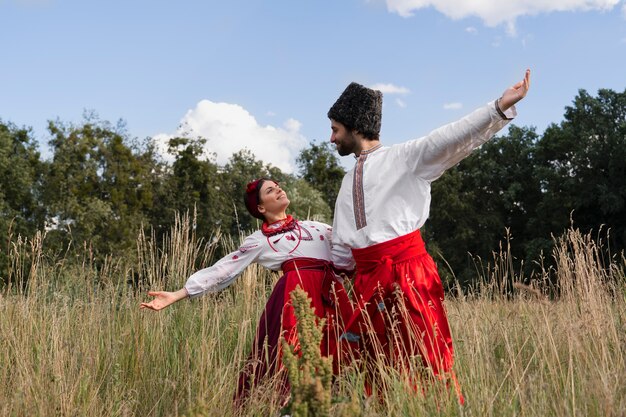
x: 346, y: 147
x: 342, y: 151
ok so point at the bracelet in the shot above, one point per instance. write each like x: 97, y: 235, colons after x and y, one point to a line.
x: 500, y: 112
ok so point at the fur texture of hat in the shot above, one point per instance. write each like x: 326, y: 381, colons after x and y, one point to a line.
x: 359, y: 108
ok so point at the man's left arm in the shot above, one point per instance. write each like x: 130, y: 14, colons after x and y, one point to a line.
x: 430, y: 156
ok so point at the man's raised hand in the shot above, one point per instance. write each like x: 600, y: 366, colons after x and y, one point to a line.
x: 515, y: 93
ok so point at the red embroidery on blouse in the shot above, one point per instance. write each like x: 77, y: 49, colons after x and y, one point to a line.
x: 243, y: 249
x: 235, y: 257
x: 289, y: 237
x: 307, y: 235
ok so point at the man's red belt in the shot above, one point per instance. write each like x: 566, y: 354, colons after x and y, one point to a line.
x: 375, y: 270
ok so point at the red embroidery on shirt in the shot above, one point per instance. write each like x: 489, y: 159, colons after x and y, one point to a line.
x: 321, y: 237
x: 358, y: 193
x: 235, y: 257
x: 358, y: 197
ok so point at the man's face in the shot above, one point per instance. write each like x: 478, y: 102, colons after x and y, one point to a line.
x: 344, y: 139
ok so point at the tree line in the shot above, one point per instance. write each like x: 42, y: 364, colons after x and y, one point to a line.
x: 101, y: 186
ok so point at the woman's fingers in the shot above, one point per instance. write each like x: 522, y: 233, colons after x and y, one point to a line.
x: 154, y: 304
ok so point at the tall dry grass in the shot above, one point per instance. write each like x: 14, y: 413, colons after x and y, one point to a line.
x: 73, y: 341
x: 558, y: 347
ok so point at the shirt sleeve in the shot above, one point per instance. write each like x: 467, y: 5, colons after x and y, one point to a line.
x: 340, y: 255
x: 428, y: 157
x: 224, y: 272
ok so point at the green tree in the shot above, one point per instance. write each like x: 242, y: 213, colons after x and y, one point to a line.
x: 192, y: 184
x: 20, y: 174
x: 306, y: 202
x: 582, y: 166
x: 98, y: 187
x: 536, y: 187
x: 320, y: 167
x: 474, y: 204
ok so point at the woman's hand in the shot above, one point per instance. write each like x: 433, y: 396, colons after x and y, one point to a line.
x: 163, y: 299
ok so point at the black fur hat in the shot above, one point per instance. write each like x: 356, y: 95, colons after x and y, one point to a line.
x: 359, y: 108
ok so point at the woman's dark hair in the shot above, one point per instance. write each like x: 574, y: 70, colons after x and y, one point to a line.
x: 252, y: 197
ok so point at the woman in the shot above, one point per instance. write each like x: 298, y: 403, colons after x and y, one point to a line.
x: 302, y: 250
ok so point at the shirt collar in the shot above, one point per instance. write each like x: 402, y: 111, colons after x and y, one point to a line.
x: 370, y: 150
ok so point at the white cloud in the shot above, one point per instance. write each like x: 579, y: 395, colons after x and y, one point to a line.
x: 453, y: 106
x: 497, y: 12
x: 292, y: 125
x: 390, y: 89
x: 400, y: 103
x: 471, y: 29
x: 229, y: 128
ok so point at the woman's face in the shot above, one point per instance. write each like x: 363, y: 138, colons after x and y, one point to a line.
x: 272, y: 198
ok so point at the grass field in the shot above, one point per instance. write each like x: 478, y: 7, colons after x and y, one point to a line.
x: 73, y: 341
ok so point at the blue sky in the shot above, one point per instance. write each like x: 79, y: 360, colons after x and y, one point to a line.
x: 262, y: 74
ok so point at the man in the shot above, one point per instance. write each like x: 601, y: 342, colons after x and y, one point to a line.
x: 383, y: 202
